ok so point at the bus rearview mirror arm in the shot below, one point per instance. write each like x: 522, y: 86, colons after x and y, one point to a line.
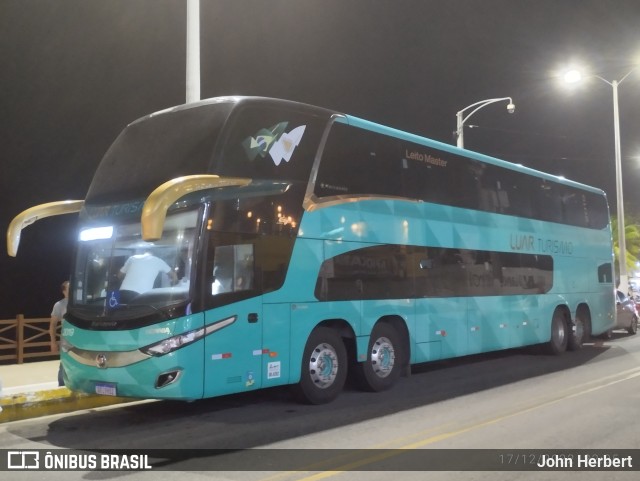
x: 154, y: 211
x: 33, y: 214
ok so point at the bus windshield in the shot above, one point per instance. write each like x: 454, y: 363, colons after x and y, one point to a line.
x: 119, y: 275
x: 156, y: 149
x: 256, y: 141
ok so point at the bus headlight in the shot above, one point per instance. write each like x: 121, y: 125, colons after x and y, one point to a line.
x: 176, y: 342
x: 173, y: 343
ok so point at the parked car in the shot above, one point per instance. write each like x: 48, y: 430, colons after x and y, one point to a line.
x: 626, y: 313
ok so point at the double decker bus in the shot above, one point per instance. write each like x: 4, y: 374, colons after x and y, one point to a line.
x: 241, y: 243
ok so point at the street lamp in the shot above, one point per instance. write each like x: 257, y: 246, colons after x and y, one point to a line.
x: 511, y: 108
x: 573, y: 76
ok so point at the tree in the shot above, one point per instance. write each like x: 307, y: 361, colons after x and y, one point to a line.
x: 632, y: 240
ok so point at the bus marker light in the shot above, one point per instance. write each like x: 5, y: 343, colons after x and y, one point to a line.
x: 215, y: 357
x: 442, y: 333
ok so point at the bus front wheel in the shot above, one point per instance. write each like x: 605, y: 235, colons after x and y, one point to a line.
x: 324, y: 367
x: 559, y: 334
x: 381, y: 370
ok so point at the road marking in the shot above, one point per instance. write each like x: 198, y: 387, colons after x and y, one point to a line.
x: 582, y: 389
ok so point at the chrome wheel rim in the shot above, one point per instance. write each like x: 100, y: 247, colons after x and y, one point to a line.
x: 323, y: 365
x: 383, y: 357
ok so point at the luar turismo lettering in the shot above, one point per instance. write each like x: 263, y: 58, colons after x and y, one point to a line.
x: 527, y: 242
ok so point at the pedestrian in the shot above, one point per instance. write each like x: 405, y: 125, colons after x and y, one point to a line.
x: 58, y: 312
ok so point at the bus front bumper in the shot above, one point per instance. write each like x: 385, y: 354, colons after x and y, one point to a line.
x: 175, y: 375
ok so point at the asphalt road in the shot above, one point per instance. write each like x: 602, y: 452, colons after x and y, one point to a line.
x: 515, y: 401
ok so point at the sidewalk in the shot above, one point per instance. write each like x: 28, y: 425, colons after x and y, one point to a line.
x: 31, y: 390
x: 29, y: 376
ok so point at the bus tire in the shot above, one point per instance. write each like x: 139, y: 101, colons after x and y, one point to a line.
x: 559, y: 334
x: 382, y: 368
x: 324, y: 367
x: 580, y: 332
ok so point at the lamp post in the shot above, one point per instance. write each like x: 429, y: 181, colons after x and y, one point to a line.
x: 193, y: 51
x: 460, y: 119
x: 574, y: 76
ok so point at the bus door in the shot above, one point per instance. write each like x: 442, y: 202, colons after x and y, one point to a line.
x: 233, y: 351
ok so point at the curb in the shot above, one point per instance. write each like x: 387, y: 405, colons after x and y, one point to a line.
x: 52, y: 401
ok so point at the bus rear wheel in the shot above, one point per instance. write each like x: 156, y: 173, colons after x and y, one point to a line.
x: 324, y: 367
x: 559, y: 334
x: 581, y: 331
x: 381, y: 370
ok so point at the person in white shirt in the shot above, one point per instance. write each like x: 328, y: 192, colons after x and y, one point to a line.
x: 139, y: 272
x: 57, y: 313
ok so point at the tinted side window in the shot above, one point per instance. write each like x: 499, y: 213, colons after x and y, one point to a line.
x: 361, y: 162
x: 597, y: 210
x: 574, y: 204
x: 401, y: 272
x: 605, y: 273
x: 547, y: 201
x: 249, y: 245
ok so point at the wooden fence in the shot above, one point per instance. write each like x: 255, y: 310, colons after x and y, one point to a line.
x: 22, y: 338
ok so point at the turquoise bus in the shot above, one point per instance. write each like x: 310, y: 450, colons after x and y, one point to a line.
x: 240, y: 243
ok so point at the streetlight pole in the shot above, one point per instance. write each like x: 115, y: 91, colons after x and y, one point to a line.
x: 573, y: 76
x: 193, y: 51
x: 622, y: 242
x: 460, y: 119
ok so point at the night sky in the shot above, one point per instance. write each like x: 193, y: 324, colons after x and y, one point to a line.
x: 75, y: 72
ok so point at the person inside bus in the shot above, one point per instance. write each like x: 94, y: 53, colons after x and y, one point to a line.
x: 221, y: 282
x: 139, y: 272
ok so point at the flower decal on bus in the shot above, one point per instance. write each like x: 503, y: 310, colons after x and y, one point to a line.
x: 275, y: 142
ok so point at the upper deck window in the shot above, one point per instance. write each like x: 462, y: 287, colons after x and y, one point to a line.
x: 359, y: 162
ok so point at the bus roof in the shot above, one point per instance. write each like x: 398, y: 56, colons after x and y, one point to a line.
x: 375, y: 127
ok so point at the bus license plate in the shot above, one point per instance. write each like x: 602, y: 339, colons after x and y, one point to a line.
x: 106, y: 388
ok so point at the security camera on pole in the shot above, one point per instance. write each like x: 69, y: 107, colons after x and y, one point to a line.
x: 511, y: 108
